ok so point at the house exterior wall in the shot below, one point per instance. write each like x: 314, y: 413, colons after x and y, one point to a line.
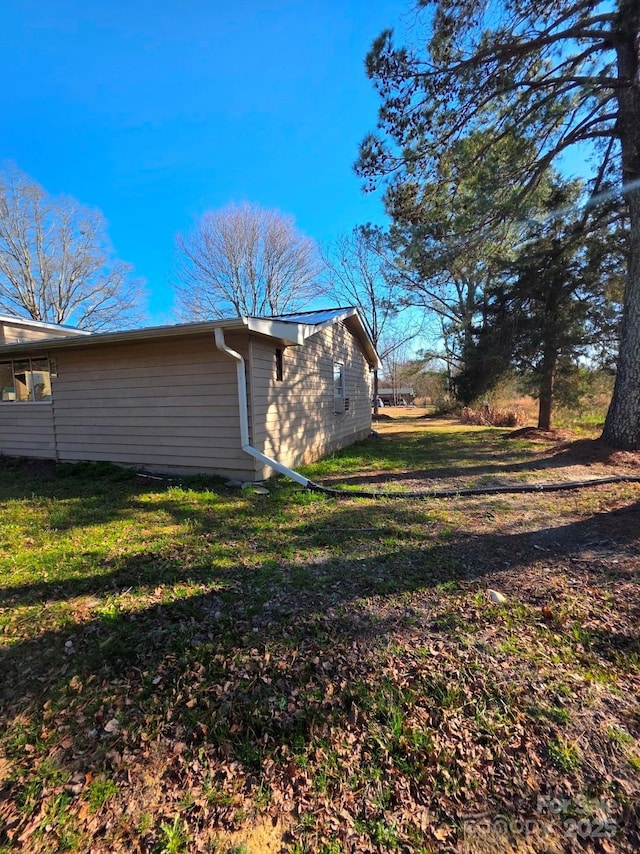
x: 165, y: 406
x: 26, y: 430
x: 171, y: 405
x: 294, y: 420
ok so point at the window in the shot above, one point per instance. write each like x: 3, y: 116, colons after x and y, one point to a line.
x: 25, y: 380
x: 338, y: 387
x: 7, y: 385
x: 279, y: 364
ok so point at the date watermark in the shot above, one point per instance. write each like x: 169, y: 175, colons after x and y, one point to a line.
x: 578, y: 818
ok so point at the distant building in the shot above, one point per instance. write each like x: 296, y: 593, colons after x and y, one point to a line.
x: 401, y: 396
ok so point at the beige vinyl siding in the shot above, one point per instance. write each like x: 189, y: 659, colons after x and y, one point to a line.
x: 164, y: 406
x: 171, y: 404
x: 294, y: 420
x: 26, y: 429
x: 18, y: 333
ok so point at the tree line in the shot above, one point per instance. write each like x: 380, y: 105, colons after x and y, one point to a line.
x: 478, y: 108
x: 57, y: 265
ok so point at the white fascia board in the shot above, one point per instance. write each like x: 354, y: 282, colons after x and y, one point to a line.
x: 292, y: 333
x: 296, y: 331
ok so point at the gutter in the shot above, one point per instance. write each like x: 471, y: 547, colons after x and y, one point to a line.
x: 247, y: 447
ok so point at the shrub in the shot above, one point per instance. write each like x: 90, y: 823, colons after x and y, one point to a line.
x: 489, y: 416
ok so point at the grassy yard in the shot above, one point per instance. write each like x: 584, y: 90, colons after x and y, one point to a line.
x: 188, y: 667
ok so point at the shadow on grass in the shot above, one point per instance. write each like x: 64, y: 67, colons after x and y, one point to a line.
x: 79, y: 495
x: 434, y: 456
x: 255, y: 605
x: 263, y: 660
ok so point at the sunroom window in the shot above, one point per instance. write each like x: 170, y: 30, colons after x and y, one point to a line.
x: 25, y: 380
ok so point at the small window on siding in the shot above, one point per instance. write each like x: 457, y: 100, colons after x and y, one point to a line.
x: 338, y: 387
x: 279, y: 364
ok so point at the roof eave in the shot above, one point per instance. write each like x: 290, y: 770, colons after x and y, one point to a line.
x: 288, y: 332
x: 14, y: 320
x: 351, y: 317
x: 126, y: 336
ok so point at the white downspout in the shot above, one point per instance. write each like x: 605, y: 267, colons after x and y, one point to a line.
x: 244, y: 416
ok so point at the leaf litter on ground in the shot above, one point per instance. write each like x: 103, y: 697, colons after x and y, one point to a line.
x: 319, y: 675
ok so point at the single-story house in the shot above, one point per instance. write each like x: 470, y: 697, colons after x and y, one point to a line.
x: 237, y: 397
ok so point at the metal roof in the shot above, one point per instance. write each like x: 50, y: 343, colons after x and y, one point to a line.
x: 314, y: 318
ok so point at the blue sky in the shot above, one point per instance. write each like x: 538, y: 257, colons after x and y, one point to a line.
x: 156, y: 111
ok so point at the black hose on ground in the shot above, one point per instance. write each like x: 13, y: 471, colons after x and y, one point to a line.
x: 480, y: 490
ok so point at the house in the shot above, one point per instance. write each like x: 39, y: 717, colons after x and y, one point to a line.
x: 237, y: 397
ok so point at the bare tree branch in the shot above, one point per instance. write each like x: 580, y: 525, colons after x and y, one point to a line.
x: 247, y: 261
x: 56, y: 262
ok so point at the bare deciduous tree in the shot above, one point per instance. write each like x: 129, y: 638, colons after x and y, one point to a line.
x: 56, y: 261
x: 360, y: 273
x: 245, y: 260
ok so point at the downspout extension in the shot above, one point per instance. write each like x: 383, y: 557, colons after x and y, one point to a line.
x: 514, y: 489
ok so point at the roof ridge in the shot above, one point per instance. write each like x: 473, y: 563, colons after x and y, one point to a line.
x: 335, y: 310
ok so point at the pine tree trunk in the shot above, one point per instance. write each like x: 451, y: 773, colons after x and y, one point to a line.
x: 622, y: 425
x: 546, y: 391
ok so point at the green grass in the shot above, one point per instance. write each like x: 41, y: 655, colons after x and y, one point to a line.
x: 174, y: 838
x: 587, y: 421
x: 564, y: 755
x: 180, y: 659
x: 428, y: 451
x: 99, y: 792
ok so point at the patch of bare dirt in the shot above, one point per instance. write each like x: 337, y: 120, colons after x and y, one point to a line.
x: 31, y: 467
x: 590, y: 451
x: 534, y: 434
x: 586, y: 452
